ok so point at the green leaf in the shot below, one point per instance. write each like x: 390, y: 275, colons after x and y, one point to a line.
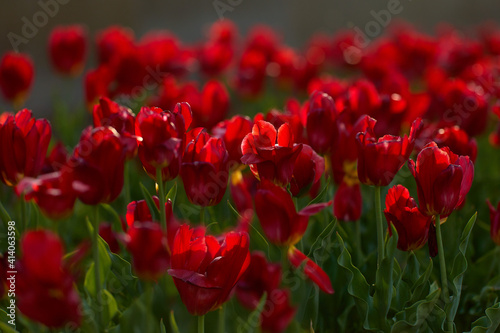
x: 4, y: 326
x: 117, y: 222
x: 321, y: 195
x: 458, y: 270
x: 104, y: 264
x: 419, y: 288
x: 153, y: 209
x: 109, y: 307
x: 137, y: 319
x: 172, y: 193
x: 490, y: 323
x: 320, y: 237
x: 173, y: 323
x: 415, y: 316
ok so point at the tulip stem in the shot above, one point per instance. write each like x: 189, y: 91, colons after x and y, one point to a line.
x: 126, y: 183
x: 442, y: 265
x: 222, y: 319
x: 202, y: 215
x: 97, y: 275
x: 201, y: 324
x: 380, y: 226
x: 161, y: 194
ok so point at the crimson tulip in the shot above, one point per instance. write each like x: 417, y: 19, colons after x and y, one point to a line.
x: 232, y: 131
x: 243, y: 187
x: 110, y: 236
x: 205, y: 169
x: 161, y: 139
x: 412, y: 225
x: 16, y: 77
x: 321, y: 122
x: 347, y: 203
x: 270, y: 154
x: 311, y: 269
x: 68, y: 49
x: 56, y: 158
x: 113, y: 42
x: 214, y: 105
x: 251, y: 73
x: 109, y: 113
x: 380, y: 160
x: 98, y: 165
x: 495, y: 222
x: 443, y: 179
x: 24, y: 145
x: 205, y: 269
x: 45, y: 290
x: 457, y: 140
x: 96, y: 83
x: 308, y: 169
x: 280, y: 221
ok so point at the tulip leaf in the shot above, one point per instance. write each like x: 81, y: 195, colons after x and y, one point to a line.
x: 4, y: 319
x: 117, y: 222
x: 104, y: 264
x: 4, y: 215
x: 153, y: 209
x: 489, y: 323
x: 415, y: 316
x: 172, y: 193
x: 458, y: 270
x: 109, y: 307
x: 173, y: 323
x: 320, y: 237
x: 136, y: 319
x: 358, y: 288
x: 321, y: 195
x: 420, y: 286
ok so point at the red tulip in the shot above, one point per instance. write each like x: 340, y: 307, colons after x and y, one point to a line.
x: 308, y: 169
x: 280, y: 221
x: 45, y: 290
x: 321, y: 122
x: 161, y: 142
x: 380, y: 160
x: 443, y: 179
x: 110, y: 236
x: 68, y: 49
x: 412, y: 225
x: 205, y: 270
x: 96, y: 84
x: 457, y: 140
x: 251, y: 73
x: 243, y: 187
x: 16, y: 77
x: 109, y: 113
x: 214, y: 105
x: 97, y: 164
x: 347, y: 203
x: 278, y: 313
x: 292, y: 115
x: 113, y: 42
x: 56, y: 159
x: 311, y: 269
x: 232, y: 131
x: 495, y: 222
x: 270, y: 155
x: 24, y: 145
x: 205, y: 170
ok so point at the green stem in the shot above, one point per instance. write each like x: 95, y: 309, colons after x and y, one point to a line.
x: 380, y: 226
x: 149, y: 302
x: 161, y: 194
x: 202, y: 215
x: 222, y: 319
x: 442, y: 265
x: 201, y: 324
x: 97, y: 276
x: 359, y: 250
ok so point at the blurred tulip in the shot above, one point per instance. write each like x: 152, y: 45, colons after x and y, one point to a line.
x: 110, y: 236
x: 457, y: 140
x: 321, y: 118
x: 56, y: 159
x: 16, y: 77
x: 68, y: 49
x: 214, y: 105
x: 205, y: 270
x: 113, y: 42
x: 495, y: 222
x: 311, y: 269
x: 232, y: 131
x: 402, y: 211
x: 347, y: 203
x: 308, y: 169
x: 96, y: 84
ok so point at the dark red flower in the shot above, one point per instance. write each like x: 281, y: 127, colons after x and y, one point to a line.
x: 457, y: 140
x: 243, y: 188
x: 402, y: 211
x: 96, y: 84
x: 109, y: 113
x: 24, y: 145
x: 495, y: 222
x: 308, y: 169
x: 321, y: 122
x: 347, y: 203
x: 251, y: 73
x: 113, y: 42
x: 204, y: 169
x: 278, y: 217
x: 68, y: 49
x: 380, y: 160
x: 311, y: 269
x: 97, y: 164
x: 214, y: 105
x: 205, y: 269
x: 277, y: 313
x: 161, y: 139
x: 110, y: 236
x: 443, y: 179
x: 232, y: 131
x: 16, y: 77
x: 44, y: 288
x: 55, y: 159
x: 270, y: 154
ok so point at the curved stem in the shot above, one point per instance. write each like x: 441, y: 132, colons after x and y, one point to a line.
x: 380, y: 226
x: 161, y: 194
x: 222, y: 322
x: 202, y: 215
x: 442, y: 266
x: 201, y: 324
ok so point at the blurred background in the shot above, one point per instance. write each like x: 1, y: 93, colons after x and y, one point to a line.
x: 295, y: 20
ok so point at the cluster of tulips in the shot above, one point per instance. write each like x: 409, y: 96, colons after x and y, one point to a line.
x: 109, y: 241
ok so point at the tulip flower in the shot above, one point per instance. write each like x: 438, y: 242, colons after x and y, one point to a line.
x: 311, y: 269
x: 110, y: 236
x: 24, y: 145
x: 205, y: 170
x: 205, y: 269
x: 232, y: 131
x: 380, y: 160
x: 55, y: 159
x: 443, y: 179
x: 97, y: 164
x: 278, y: 313
x: 16, y: 77
x: 109, y: 113
x: 243, y: 187
x: 321, y: 122
x: 270, y: 154
x: 214, y: 105
x: 113, y: 42
x: 45, y: 290
x: 251, y: 73
x: 308, y: 169
x: 68, y: 49
x: 96, y: 84
x: 280, y: 221
x: 347, y: 203
x: 495, y: 222
x: 457, y: 140
x: 161, y: 139
x: 293, y: 114
x: 412, y: 225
